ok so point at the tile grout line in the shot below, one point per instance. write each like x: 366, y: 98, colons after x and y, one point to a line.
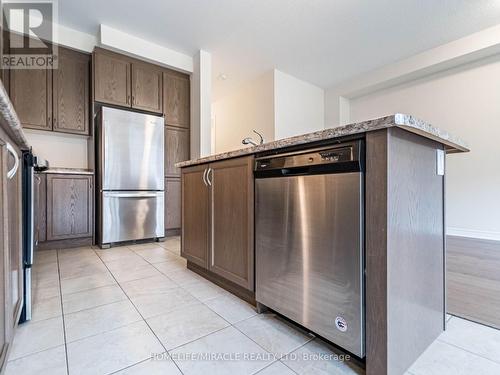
x: 62, y: 313
x: 273, y: 363
x: 288, y: 367
x: 282, y: 356
x: 144, y: 320
x: 468, y: 351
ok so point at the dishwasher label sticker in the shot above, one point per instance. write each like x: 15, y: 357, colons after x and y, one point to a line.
x: 341, y: 324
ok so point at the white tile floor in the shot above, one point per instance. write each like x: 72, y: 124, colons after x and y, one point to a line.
x: 138, y: 310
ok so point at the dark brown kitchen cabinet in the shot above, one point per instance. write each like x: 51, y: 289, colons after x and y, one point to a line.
x: 176, y: 149
x: 14, y: 186
x: 176, y: 93
x: 4, y: 245
x: 195, y: 215
x: 31, y: 95
x: 71, y: 93
x: 146, y: 87
x: 11, y: 285
x: 126, y: 82
x: 229, y: 242
x: 232, y: 255
x: 111, y: 78
x: 56, y: 99
x: 172, y: 205
x: 69, y: 206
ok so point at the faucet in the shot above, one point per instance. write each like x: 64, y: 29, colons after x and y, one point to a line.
x: 250, y: 141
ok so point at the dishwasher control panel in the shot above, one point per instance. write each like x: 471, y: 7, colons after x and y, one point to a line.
x: 324, y: 157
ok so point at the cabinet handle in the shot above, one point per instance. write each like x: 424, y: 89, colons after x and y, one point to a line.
x: 210, y: 176
x: 128, y: 99
x: 205, y: 177
x: 12, y: 172
x: 133, y: 100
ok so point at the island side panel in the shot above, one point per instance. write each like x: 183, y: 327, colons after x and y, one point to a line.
x: 376, y: 252
x: 409, y: 314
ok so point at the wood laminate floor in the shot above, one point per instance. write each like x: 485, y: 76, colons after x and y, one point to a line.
x: 473, y: 279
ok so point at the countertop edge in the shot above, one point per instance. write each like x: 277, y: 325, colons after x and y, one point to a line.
x: 407, y: 122
x: 10, y: 121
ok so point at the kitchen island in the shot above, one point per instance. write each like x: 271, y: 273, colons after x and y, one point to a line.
x: 402, y: 286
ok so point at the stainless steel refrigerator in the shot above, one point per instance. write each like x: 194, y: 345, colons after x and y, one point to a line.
x: 130, y: 152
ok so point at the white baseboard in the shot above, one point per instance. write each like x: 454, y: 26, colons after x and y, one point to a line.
x: 485, y: 235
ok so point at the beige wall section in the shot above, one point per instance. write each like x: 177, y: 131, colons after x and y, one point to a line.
x: 299, y: 107
x: 61, y: 150
x: 275, y: 104
x: 251, y: 106
x: 466, y: 102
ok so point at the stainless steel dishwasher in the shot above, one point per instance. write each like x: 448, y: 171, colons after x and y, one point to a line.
x: 309, y: 240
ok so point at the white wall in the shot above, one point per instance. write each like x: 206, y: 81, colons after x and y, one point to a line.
x: 251, y: 106
x: 61, y: 150
x: 466, y: 102
x: 299, y: 106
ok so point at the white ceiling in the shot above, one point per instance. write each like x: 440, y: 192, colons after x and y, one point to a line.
x: 320, y: 41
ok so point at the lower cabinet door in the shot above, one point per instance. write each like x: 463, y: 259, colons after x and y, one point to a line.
x: 232, y: 216
x: 69, y: 206
x: 195, y: 215
x: 172, y: 203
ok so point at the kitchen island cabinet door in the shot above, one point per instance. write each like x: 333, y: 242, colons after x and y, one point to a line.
x: 111, y: 78
x: 232, y: 195
x: 71, y: 93
x: 11, y: 285
x: 146, y: 87
x: 176, y: 149
x: 176, y: 99
x: 31, y: 95
x: 69, y: 206
x: 4, y: 251
x: 195, y: 215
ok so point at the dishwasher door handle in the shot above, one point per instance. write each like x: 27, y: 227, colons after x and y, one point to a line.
x: 295, y: 171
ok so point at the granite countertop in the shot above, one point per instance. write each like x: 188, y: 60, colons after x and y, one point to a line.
x: 9, y: 120
x: 57, y: 170
x: 407, y: 122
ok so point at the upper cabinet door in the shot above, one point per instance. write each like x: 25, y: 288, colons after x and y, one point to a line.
x: 31, y: 95
x: 112, y: 79
x: 146, y: 87
x: 176, y: 99
x: 71, y: 93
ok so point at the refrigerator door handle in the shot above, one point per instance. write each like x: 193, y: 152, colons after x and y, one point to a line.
x: 132, y: 195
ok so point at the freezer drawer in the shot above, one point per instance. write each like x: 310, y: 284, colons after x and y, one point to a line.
x: 132, y: 149
x: 132, y: 215
x: 309, y: 253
